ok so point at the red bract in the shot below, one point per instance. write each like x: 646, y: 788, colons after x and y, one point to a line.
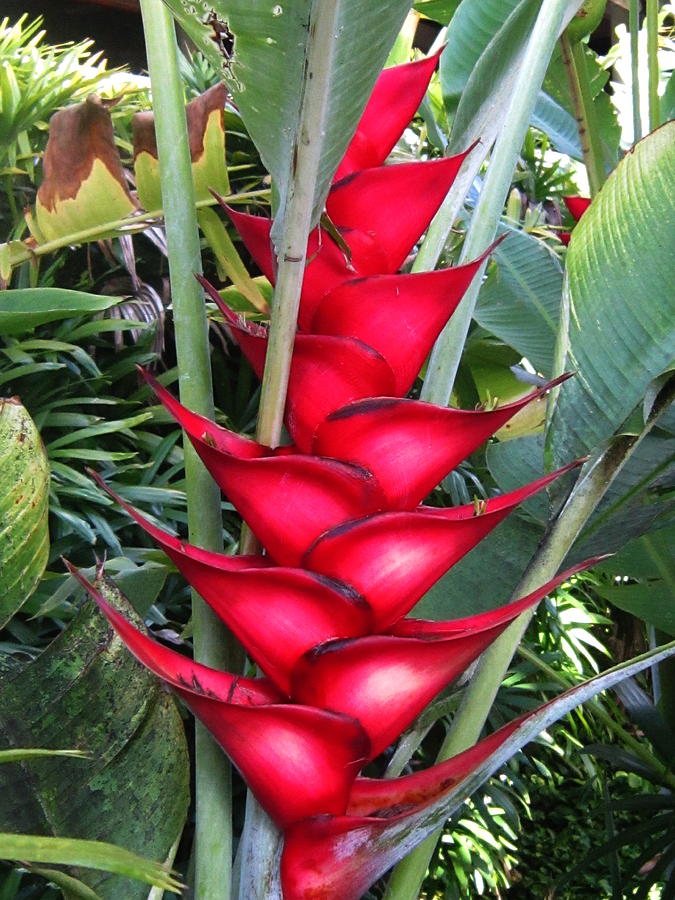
x: 349, y: 550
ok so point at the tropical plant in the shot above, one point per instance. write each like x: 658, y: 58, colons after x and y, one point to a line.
x: 332, y: 508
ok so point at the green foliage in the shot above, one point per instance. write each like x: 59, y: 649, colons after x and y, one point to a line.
x: 132, y: 789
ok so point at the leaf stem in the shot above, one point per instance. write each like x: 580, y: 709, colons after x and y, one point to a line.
x: 296, y: 222
x: 445, y: 358
x: 574, y: 59
x: 409, y: 874
x: 634, y: 28
x: 213, y: 836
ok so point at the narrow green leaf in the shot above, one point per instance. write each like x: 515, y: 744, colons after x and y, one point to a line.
x: 622, y: 307
x: 520, y: 301
x: 26, y: 308
x: 15, y: 755
x: 89, y: 854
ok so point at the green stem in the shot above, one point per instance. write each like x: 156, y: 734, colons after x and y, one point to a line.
x: 296, y: 225
x: 574, y: 59
x: 481, y: 691
x: 213, y: 836
x: 634, y: 28
x: 407, y: 877
x: 444, y: 360
x: 599, y: 712
x: 653, y: 63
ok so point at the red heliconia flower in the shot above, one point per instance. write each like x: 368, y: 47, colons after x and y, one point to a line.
x: 577, y: 207
x: 410, y: 445
x: 348, y: 549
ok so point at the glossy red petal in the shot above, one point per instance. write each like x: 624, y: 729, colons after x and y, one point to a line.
x: 410, y: 445
x: 399, y: 315
x: 394, y: 101
x: 362, y: 201
x: 179, y: 670
x: 393, y: 558
x: 326, y: 267
x: 384, y: 681
x: 577, y: 205
x: 277, y: 613
x: 220, y: 438
x: 288, y: 500
x: 297, y: 761
x: 427, y: 629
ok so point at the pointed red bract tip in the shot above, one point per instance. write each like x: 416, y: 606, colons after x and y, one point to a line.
x: 394, y: 101
x: 410, y: 445
x: 393, y: 558
x: 176, y: 669
x: 577, y: 206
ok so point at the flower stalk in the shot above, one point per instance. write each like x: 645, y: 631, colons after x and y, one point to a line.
x: 213, y: 836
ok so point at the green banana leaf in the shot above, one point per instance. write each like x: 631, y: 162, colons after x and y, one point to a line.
x: 133, y: 788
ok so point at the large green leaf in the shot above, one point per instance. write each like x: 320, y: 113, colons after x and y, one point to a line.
x: 24, y: 501
x: 267, y: 72
x: 26, y: 308
x: 520, y: 301
x: 560, y: 125
x: 622, y: 306
x: 471, y: 29
x: 133, y: 790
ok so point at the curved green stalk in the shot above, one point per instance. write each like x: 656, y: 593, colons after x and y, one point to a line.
x: 574, y: 58
x: 444, y: 360
x: 408, y: 875
x: 297, y: 223
x: 213, y: 836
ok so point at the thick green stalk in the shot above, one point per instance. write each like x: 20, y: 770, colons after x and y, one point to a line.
x: 446, y: 355
x: 213, y: 836
x: 653, y: 63
x: 574, y: 58
x: 481, y: 691
x: 407, y: 877
x: 634, y: 28
x: 297, y: 222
